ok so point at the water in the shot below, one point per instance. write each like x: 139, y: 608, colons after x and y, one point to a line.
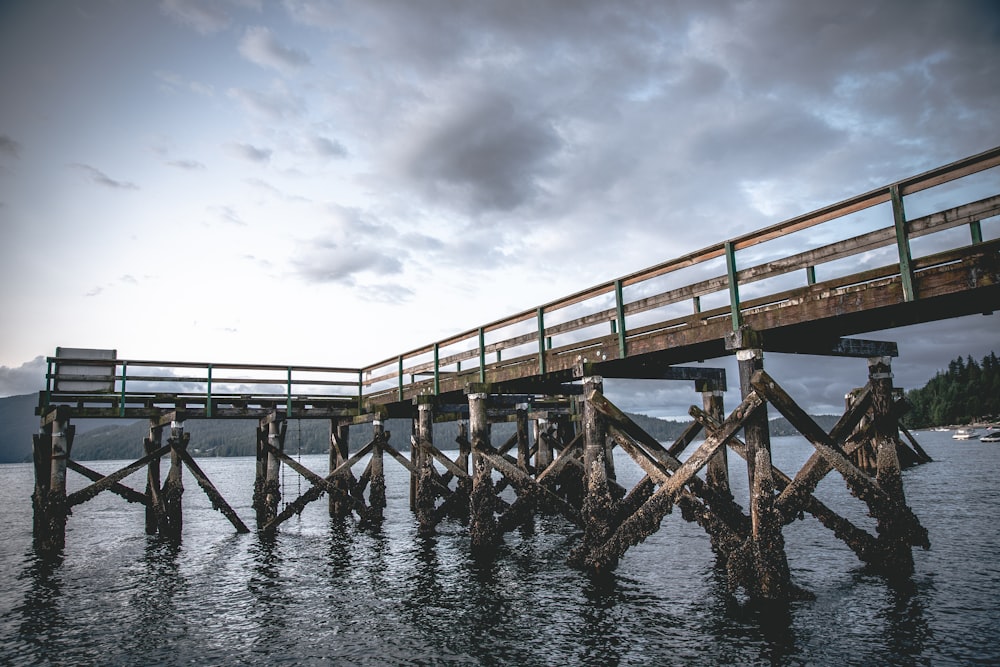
x: 324, y: 592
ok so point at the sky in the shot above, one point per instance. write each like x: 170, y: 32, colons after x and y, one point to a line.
x: 326, y: 182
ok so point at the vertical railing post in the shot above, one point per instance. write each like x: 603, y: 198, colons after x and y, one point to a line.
x: 437, y: 369
x: 208, y: 401
x: 288, y: 399
x: 482, y: 355
x: 976, y: 230
x: 734, y: 289
x: 541, y: 341
x: 620, y: 318
x: 902, y: 244
x: 121, y: 404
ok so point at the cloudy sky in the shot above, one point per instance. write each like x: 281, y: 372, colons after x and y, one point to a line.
x: 335, y: 182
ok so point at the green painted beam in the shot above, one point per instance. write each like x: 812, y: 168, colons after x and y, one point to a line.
x: 734, y: 288
x: 620, y: 318
x: 902, y: 244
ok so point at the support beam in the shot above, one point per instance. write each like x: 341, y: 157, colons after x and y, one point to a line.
x: 340, y: 435
x: 482, y: 501
x: 156, y: 510
x: 892, y: 529
x: 173, y: 488
x: 769, y: 577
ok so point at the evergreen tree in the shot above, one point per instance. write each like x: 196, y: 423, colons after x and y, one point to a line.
x: 968, y: 391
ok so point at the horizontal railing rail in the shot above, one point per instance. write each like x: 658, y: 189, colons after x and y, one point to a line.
x: 127, y: 381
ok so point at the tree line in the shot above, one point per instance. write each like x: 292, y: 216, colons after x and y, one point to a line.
x: 967, y: 392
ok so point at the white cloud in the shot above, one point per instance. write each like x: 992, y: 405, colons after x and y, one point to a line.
x: 260, y: 47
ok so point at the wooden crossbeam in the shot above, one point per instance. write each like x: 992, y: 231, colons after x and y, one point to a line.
x: 449, y: 465
x: 646, y: 520
x: 521, y: 479
x: 218, y: 502
x: 131, y: 495
x: 816, y: 467
x: 864, y: 544
x: 880, y: 503
x: 88, y: 492
x: 319, y: 485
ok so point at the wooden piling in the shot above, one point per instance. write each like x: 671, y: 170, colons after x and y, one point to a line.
x: 376, y: 487
x: 425, y: 494
x: 767, y: 577
x: 42, y: 455
x: 276, y: 430
x: 155, y: 509
x: 892, y: 531
x: 173, y: 487
x: 598, y: 507
x: 543, y: 450
x: 339, y: 439
x: 482, y: 501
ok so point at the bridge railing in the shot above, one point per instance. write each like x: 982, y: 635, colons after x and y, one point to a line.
x: 96, y: 378
x: 705, y: 285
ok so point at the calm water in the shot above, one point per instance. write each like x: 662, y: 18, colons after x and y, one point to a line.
x: 323, y: 592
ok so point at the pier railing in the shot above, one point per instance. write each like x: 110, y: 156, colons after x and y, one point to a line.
x: 728, y: 280
x: 97, y: 383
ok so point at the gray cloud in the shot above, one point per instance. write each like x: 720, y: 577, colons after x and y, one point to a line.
x: 187, y: 165
x: 330, y: 262
x: 250, y: 152
x: 278, y: 104
x: 328, y: 147
x: 27, y: 378
x: 204, y: 16
x: 487, y: 154
x: 100, y: 178
x: 9, y: 147
x: 260, y: 47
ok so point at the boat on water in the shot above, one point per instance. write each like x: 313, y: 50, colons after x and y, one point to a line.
x: 993, y: 436
x: 965, y: 434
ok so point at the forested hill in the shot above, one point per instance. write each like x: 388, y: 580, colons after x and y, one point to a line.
x: 967, y: 392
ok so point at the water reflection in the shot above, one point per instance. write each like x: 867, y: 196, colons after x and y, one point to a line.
x: 41, y: 611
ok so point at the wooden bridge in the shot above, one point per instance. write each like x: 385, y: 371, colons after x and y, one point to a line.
x: 801, y: 286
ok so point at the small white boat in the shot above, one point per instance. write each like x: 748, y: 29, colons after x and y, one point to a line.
x: 965, y: 434
x: 991, y: 437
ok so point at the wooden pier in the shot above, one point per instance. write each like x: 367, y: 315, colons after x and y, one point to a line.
x: 784, y: 289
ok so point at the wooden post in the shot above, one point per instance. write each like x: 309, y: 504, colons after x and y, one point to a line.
x: 259, y: 503
x: 482, y: 501
x: 543, y: 455
x: 425, y: 491
x: 598, y: 508
x: 717, y: 471
x: 339, y: 439
x: 376, y: 492
x: 51, y: 454
x: 155, y: 511
x: 891, y: 531
x: 173, y: 488
x: 523, y: 446
x: 276, y: 430
x: 42, y: 454
x: 769, y: 577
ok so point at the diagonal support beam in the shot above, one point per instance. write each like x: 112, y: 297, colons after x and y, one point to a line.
x: 521, y: 479
x: 131, y: 495
x: 319, y: 485
x: 88, y: 492
x: 880, y: 503
x: 218, y: 502
x: 864, y: 544
x: 646, y: 520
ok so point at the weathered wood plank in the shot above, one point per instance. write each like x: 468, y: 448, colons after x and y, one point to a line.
x: 88, y: 492
x: 218, y: 502
x: 131, y: 495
